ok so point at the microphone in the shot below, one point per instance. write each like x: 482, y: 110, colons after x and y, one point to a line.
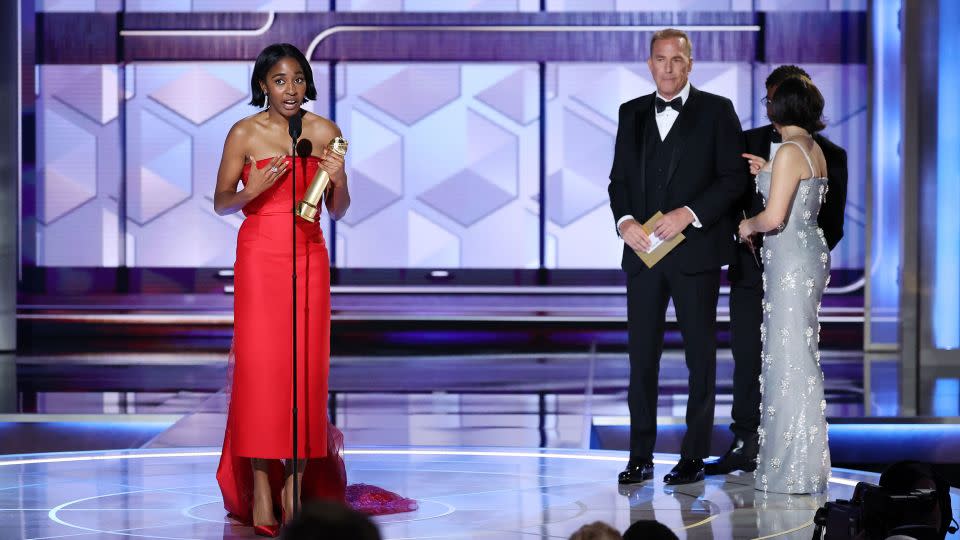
x: 307, y: 207
x: 295, y: 127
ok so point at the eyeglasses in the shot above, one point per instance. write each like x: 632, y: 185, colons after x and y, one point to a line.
x: 765, y: 101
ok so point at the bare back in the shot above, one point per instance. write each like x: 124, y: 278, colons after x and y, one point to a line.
x: 813, y: 164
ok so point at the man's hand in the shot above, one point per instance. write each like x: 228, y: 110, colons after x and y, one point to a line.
x: 672, y: 223
x: 632, y: 233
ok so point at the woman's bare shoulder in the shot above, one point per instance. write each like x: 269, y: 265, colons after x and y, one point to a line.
x: 791, y: 161
x: 320, y: 128
x: 245, y: 127
x: 790, y: 153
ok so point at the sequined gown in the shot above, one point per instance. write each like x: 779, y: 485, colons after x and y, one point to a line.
x: 794, y: 457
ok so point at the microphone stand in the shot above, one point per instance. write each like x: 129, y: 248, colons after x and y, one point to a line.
x: 294, y: 135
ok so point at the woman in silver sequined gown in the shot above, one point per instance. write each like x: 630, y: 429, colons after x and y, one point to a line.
x: 794, y: 456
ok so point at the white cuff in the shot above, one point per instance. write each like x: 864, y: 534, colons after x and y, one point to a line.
x: 696, y: 221
x: 621, y: 220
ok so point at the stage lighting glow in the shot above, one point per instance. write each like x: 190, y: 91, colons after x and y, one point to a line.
x: 946, y: 397
x: 883, y: 264
x: 946, y: 287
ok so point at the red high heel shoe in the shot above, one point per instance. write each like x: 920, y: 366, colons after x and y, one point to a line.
x: 269, y: 531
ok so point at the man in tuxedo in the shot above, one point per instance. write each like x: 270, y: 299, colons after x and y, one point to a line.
x: 746, y: 289
x: 677, y: 152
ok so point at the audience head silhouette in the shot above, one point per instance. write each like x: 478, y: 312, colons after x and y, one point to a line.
x: 649, y: 529
x: 323, y: 520
x: 597, y: 530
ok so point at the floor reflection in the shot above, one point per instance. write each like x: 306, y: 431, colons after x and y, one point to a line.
x: 462, y: 493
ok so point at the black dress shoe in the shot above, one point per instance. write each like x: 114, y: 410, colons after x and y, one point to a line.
x: 687, y: 471
x: 742, y: 456
x: 636, y: 472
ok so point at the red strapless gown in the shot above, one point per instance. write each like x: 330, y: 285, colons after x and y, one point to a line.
x: 258, y: 420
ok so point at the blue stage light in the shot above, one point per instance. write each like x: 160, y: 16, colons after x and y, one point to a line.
x: 946, y: 292
x: 884, y: 261
x: 946, y: 397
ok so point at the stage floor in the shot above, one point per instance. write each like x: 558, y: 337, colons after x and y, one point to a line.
x: 505, y: 494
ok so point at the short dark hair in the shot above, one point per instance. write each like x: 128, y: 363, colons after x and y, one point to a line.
x: 783, y: 73
x: 329, y: 519
x: 797, y: 102
x: 266, y: 60
x: 648, y: 529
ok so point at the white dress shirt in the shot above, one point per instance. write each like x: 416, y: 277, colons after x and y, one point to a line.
x: 668, y: 116
x: 665, y: 120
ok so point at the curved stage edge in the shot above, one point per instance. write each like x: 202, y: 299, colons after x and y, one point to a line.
x: 501, y: 493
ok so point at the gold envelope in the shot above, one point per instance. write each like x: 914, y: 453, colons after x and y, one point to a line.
x: 654, y: 256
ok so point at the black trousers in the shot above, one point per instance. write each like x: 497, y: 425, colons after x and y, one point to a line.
x: 695, y: 300
x: 746, y: 316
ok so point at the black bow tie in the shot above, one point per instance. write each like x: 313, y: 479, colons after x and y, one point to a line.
x: 675, y: 103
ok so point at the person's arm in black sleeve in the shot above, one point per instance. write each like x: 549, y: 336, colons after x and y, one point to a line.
x: 832, y: 213
x: 618, y: 189
x: 715, y: 202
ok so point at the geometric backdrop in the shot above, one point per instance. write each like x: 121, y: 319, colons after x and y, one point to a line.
x: 446, y: 165
x: 444, y: 159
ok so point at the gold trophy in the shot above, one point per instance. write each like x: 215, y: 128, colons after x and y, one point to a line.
x: 307, y: 208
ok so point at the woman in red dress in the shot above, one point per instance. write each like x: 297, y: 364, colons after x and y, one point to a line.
x: 252, y: 474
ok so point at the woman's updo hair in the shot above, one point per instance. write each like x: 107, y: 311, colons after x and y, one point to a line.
x: 797, y: 102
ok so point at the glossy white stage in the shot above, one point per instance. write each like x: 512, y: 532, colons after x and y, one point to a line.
x: 463, y: 493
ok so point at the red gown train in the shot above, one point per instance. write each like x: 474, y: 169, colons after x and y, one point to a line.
x: 258, y: 420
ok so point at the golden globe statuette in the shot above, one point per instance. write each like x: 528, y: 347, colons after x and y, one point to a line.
x: 307, y: 208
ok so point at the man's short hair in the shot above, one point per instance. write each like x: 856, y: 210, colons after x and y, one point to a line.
x: 648, y: 530
x: 597, y: 530
x: 670, y: 33
x: 783, y: 73
x: 321, y: 519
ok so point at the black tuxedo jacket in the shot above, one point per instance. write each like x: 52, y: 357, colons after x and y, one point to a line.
x: 830, y: 218
x: 706, y: 173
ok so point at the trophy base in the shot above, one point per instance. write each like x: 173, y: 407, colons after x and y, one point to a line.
x: 307, y: 211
